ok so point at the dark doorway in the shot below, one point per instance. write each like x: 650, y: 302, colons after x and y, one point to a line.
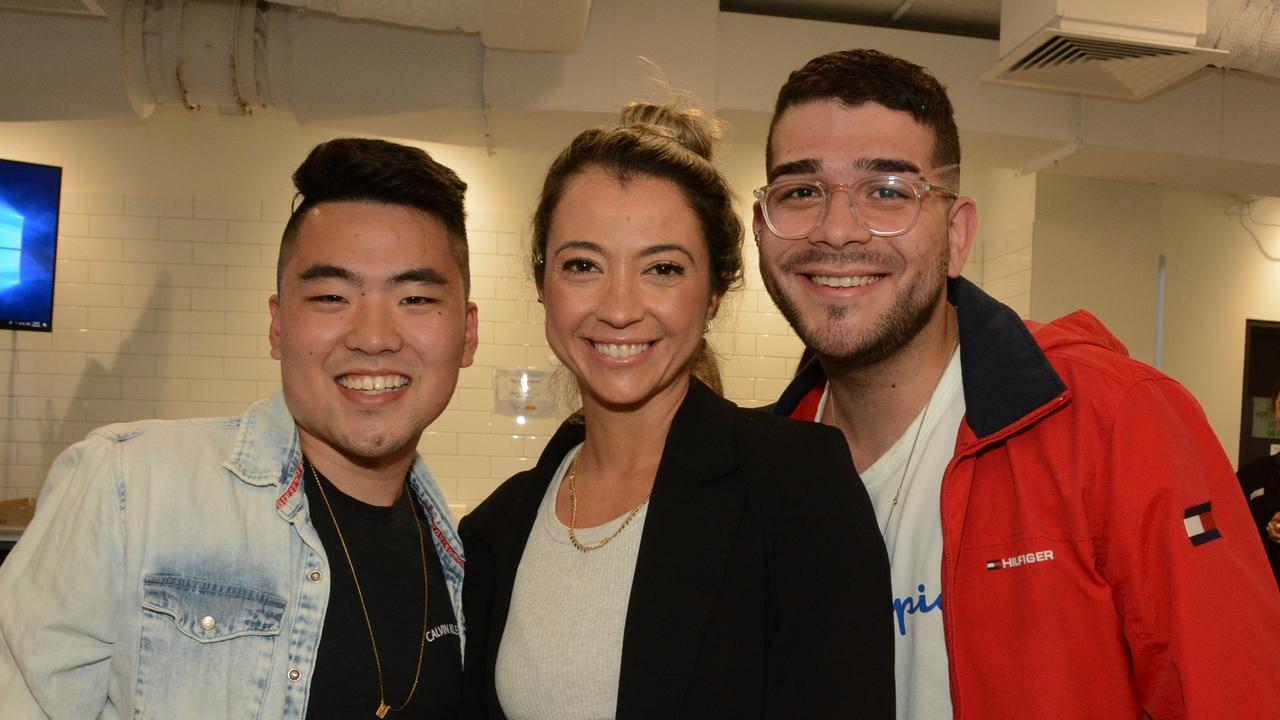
x: 1258, y: 431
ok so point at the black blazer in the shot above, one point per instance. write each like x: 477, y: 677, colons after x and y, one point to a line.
x: 1263, y: 475
x: 761, y: 587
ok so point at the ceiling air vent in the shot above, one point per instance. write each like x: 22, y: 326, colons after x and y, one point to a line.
x: 64, y: 7
x: 1096, y: 64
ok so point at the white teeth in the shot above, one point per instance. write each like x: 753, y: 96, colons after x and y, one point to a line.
x: 373, y: 383
x: 846, y: 281
x: 615, y: 350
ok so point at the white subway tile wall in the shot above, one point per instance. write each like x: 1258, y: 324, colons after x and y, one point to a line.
x: 161, y: 311
x: 1001, y: 261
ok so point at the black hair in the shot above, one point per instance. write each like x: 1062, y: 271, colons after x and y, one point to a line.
x: 366, y: 169
x: 857, y: 77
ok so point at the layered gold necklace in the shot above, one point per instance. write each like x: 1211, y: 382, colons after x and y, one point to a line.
x: 572, y: 480
x: 383, y: 707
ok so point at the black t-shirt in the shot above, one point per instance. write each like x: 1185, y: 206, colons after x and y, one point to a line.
x: 1260, y: 481
x: 383, y: 542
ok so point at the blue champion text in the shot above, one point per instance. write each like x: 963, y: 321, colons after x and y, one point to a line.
x: 912, y: 604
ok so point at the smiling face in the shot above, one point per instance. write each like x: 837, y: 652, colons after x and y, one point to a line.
x: 627, y: 289
x: 853, y: 297
x: 370, y: 328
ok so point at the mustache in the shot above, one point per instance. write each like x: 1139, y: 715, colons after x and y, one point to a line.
x: 851, y: 256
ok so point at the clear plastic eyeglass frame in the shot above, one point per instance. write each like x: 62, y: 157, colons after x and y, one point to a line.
x: 885, y: 205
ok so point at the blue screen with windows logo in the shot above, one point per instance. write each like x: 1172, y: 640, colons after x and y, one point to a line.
x: 29, y: 197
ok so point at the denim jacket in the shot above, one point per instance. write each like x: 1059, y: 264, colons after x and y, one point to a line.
x: 172, y: 571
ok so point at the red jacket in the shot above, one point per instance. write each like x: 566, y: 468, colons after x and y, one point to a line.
x: 1099, y: 560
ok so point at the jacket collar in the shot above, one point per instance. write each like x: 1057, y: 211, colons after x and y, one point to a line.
x: 698, y: 446
x: 694, y: 515
x: 267, y: 453
x: 698, y: 443
x: 1005, y: 375
x: 267, y: 442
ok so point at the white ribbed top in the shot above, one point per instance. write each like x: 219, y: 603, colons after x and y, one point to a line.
x: 562, y: 647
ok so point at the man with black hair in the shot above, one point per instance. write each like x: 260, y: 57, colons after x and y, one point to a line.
x: 298, y: 561
x: 1065, y: 535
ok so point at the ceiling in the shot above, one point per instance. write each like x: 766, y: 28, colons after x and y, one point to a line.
x: 974, y: 18
x: 337, y: 63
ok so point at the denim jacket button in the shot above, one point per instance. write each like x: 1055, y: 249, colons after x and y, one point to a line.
x: 315, y: 576
x: 294, y: 674
x: 207, y: 622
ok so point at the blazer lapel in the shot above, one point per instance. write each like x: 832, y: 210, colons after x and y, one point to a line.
x: 694, y: 512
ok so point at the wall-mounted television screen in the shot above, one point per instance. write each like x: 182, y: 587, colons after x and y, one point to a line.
x: 29, y: 196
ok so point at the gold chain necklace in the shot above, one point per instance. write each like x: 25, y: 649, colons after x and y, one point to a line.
x: 383, y: 707
x: 573, y: 513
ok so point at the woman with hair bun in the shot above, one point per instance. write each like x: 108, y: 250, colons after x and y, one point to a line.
x: 671, y: 555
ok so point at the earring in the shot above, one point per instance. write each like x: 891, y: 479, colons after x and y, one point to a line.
x: 757, y: 237
x: 539, y: 299
x: 707, y: 328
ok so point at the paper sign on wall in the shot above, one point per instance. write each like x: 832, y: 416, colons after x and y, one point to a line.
x: 1264, y: 419
x: 523, y: 393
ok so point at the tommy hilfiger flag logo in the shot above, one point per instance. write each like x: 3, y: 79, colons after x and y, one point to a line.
x: 1200, y: 525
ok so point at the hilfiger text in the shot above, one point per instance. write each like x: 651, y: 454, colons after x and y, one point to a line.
x: 1008, y: 563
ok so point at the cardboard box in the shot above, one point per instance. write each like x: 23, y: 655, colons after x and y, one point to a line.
x: 17, y: 513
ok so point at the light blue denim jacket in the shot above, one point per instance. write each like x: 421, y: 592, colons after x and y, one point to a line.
x: 172, y: 571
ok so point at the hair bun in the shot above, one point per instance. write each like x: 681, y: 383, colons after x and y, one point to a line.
x: 688, y: 126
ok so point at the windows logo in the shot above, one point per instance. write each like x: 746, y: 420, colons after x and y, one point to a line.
x: 11, y: 225
x: 29, y: 204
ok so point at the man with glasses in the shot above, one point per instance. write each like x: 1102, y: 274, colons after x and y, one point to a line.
x: 1066, y: 536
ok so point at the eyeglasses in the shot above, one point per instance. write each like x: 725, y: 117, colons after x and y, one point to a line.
x: 886, y: 205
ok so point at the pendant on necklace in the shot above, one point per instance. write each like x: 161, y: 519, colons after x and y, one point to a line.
x: 383, y: 709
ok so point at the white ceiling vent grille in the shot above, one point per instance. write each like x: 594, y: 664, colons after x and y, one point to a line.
x: 1093, y: 64
x: 63, y: 7
x: 1060, y: 50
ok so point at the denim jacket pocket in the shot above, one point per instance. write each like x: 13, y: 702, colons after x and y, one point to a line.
x: 205, y: 648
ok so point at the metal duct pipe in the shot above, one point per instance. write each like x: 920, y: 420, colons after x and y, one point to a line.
x: 531, y: 25
x: 1250, y: 29
x: 445, y: 15
x: 240, y: 55
x: 204, y: 52
x: 237, y: 55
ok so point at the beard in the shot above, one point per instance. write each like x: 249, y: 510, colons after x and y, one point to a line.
x: 825, y: 331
